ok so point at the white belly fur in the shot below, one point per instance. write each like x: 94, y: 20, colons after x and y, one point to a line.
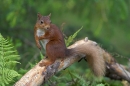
x: 44, y: 41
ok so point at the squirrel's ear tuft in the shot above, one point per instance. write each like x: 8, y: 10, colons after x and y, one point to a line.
x: 39, y: 16
x: 49, y: 15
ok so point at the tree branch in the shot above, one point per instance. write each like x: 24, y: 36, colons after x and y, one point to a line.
x: 40, y: 74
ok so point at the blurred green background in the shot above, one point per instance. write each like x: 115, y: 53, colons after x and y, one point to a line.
x: 105, y: 21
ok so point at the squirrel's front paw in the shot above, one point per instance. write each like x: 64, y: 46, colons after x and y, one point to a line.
x: 39, y: 47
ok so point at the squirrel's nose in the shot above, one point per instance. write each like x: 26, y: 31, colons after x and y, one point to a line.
x: 47, y: 27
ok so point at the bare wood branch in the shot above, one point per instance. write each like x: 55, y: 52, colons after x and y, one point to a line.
x: 39, y: 74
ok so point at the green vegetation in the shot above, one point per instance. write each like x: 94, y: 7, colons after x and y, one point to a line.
x: 104, y: 21
x: 71, y: 38
x: 8, y: 57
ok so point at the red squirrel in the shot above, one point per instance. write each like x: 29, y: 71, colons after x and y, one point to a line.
x: 53, y: 42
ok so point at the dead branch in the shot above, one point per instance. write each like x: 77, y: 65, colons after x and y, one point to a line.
x: 39, y: 74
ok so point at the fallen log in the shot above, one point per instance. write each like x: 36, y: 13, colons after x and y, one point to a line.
x: 40, y: 74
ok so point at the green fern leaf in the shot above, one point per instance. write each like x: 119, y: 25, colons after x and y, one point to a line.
x: 8, y: 75
x: 8, y: 57
x: 70, y: 38
x: 10, y: 64
x: 12, y: 57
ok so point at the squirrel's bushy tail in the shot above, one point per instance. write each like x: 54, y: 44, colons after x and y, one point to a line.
x: 94, y: 58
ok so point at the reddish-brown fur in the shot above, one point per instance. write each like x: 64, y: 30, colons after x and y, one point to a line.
x: 46, y: 23
x: 55, y: 46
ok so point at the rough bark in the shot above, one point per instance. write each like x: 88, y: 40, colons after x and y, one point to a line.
x: 38, y: 75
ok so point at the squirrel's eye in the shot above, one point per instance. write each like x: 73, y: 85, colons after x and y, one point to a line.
x: 41, y: 21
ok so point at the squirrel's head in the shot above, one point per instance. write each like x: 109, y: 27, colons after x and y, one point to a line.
x: 43, y: 22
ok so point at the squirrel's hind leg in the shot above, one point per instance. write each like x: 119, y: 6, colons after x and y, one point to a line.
x: 46, y: 62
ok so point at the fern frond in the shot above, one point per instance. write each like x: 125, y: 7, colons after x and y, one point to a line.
x: 12, y: 57
x: 8, y: 57
x: 70, y: 38
x: 7, y: 75
x: 10, y: 64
